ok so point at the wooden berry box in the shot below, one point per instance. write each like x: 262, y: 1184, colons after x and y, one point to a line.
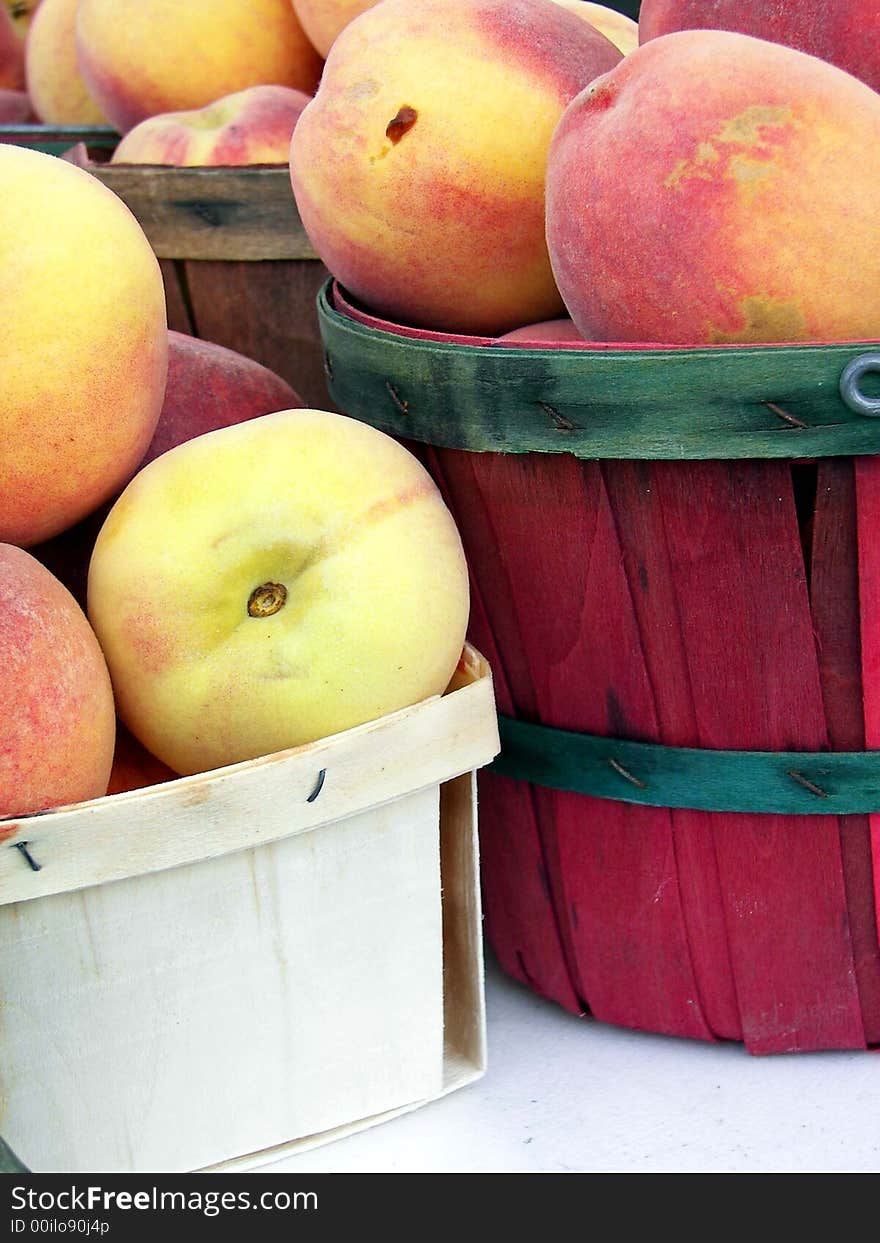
x: 676, y: 579
x: 238, y: 267
x: 224, y: 969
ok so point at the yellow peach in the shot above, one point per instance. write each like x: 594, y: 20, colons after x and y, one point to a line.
x: 322, y: 20
x: 54, y: 82
x: 274, y: 582
x: 620, y: 29
x: 84, y: 347
x: 419, y: 167
x: 141, y: 57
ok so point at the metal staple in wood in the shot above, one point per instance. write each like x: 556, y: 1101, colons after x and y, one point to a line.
x: 22, y: 848
x: 560, y: 422
x: 402, y: 406
x: 319, y: 786
x: 783, y: 414
x: 626, y: 774
x: 807, y: 784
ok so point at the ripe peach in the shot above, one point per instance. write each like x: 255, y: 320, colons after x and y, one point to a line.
x: 54, y: 82
x: 141, y: 57
x: 419, y: 166
x: 16, y: 108
x: 11, y: 55
x: 21, y: 12
x: 84, y: 348
x: 322, y: 20
x: 620, y: 29
x: 548, y: 331
x: 844, y: 32
x: 57, y: 720
x: 208, y: 387
x: 709, y: 189
x: 133, y: 765
x: 272, y: 583
x: 253, y: 126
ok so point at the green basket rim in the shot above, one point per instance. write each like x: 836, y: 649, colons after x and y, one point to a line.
x: 666, y: 402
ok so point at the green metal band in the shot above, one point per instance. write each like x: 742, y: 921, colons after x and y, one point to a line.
x: 785, y: 783
x: 675, y: 403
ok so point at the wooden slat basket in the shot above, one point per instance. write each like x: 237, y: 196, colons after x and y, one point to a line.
x: 221, y: 970
x: 237, y: 265
x: 676, y: 579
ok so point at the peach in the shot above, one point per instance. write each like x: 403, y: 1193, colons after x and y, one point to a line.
x: 322, y: 20
x: 142, y: 57
x: 11, y: 54
x: 208, y: 387
x: 620, y: 29
x: 54, y: 82
x: 16, y: 109
x: 547, y: 332
x: 844, y: 32
x: 269, y: 584
x: 84, y: 348
x: 134, y: 767
x: 57, y: 719
x: 709, y: 189
x: 253, y: 126
x: 419, y: 167
x: 21, y: 12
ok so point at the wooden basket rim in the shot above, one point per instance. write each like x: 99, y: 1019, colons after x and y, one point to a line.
x: 210, y: 814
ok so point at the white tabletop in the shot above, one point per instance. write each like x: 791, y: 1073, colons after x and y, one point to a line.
x: 569, y: 1094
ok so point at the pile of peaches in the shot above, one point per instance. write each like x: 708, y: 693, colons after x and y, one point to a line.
x: 479, y: 166
x: 482, y: 167
x: 254, y: 575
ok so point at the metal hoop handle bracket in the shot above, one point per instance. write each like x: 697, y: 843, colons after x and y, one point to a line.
x: 850, y: 392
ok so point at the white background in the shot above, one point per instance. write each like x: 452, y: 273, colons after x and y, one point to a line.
x: 569, y: 1094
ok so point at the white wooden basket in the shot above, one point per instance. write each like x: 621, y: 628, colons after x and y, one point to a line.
x: 217, y: 971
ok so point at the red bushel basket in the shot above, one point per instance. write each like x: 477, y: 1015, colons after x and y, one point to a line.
x: 675, y: 571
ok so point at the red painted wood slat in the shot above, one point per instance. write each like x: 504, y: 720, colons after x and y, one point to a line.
x: 868, y: 525
x: 834, y: 593
x: 647, y: 563
x: 549, y: 566
x: 738, y: 571
x: 521, y: 921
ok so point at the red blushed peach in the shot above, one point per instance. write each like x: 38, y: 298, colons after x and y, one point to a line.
x: 142, y: 57
x: 709, y: 189
x: 15, y: 108
x: 253, y: 126
x: 134, y: 767
x: 844, y: 32
x: 57, y: 719
x: 54, y: 82
x: 419, y: 166
x: 11, y: 54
